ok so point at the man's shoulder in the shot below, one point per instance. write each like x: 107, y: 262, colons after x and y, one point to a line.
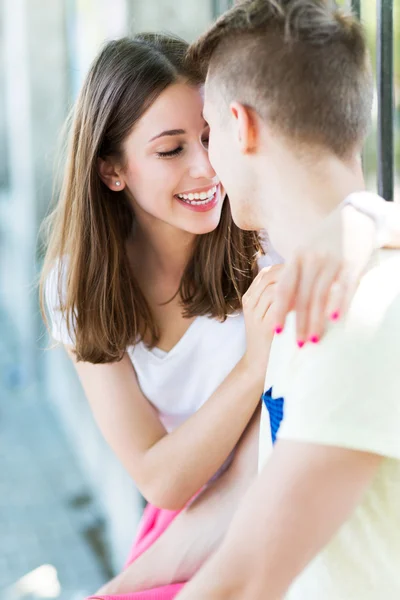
x: 369, y: 330
x: 378, y: 295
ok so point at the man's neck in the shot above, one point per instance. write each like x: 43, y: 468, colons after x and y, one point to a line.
x: 307, y: 196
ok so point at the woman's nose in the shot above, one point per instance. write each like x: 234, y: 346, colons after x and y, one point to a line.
x: 201, y: 166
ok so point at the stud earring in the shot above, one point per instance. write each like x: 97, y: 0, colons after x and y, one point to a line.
x: 118, y: 183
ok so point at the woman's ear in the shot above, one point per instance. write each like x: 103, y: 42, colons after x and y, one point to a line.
x: 110, y: 175
x: 246, y: 127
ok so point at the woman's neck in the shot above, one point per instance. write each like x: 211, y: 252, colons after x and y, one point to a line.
x: 160, y: 248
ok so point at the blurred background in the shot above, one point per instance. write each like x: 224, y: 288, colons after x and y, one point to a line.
x: 68, y: 511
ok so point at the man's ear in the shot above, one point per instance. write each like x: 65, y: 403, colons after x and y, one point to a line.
x: 245, y: 124
x: 110, y: 175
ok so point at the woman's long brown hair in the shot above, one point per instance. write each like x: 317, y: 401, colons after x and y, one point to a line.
x: 98, y: 296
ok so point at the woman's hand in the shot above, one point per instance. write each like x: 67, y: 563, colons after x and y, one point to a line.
x: 257, y: 302
x: 321, y: 278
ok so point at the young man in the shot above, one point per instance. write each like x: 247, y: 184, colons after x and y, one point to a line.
x: 288, y: 98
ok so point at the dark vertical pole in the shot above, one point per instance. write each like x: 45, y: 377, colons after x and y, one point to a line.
x: 384, y: 65
x: 356, y: 7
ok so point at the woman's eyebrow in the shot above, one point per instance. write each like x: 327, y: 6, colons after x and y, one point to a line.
x: 168, y: 132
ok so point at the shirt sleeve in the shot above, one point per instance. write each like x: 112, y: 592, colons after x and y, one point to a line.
x: 54, y: 290
x: 345, y: 391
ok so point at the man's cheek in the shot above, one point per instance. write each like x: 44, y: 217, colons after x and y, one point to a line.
x: 212, y: 158
x: 217, y: 155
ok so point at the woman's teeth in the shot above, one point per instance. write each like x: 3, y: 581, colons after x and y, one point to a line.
x: 200, y: 198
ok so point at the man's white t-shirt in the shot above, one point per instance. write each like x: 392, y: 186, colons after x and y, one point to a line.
x: 345, y: 392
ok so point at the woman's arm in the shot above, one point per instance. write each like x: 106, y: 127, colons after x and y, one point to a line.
x: 321, y: 277
x: 198, y: 530
x: 170, y: 469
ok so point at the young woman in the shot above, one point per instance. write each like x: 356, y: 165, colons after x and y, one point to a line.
x: 144, y: 276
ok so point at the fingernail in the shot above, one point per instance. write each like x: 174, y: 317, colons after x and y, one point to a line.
x: 314, y: 339
x: 335, y: 315
x: 300, y: 343
x: 278, y: 329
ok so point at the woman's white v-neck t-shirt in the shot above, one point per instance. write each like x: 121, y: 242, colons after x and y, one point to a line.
x: 177, y: 383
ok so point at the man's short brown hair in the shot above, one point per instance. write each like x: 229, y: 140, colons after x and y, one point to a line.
x: 302, y: 65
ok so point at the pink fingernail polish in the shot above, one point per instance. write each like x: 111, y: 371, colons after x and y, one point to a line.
x: 314, y: 339
x: 300, y: 343
x: 335, y: 315
x: 278, y: 329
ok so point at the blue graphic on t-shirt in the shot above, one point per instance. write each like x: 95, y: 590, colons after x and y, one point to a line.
x: 275, y: 409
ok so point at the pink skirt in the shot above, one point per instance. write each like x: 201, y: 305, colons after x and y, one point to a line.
x: 152, y: 525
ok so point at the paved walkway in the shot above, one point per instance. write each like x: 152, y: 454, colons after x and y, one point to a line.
x: 51, y: 543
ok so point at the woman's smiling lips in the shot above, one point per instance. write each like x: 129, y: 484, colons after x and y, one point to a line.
x: 200, y: 200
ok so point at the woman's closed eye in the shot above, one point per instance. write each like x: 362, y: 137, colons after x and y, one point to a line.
x: 170, y: 153
x: 179, y: 149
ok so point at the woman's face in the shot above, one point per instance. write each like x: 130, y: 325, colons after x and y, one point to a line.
x: 167, y: 170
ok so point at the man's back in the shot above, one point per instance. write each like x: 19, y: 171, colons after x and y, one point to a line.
x: 345, y: 392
